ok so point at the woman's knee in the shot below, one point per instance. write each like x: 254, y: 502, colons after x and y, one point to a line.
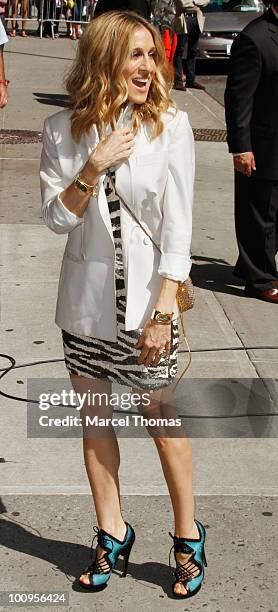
x: 177, y: 445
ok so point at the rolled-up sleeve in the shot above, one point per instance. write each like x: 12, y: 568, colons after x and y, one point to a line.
x: 175, y: 260
x: 56, y: 216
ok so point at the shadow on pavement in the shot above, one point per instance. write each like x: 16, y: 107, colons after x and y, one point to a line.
x: 216, y: 275
x: 71, y: 559
x: 52, y: 99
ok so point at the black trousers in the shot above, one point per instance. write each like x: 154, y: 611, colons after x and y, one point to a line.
x: 256, y: 224
x: 51, y: 11
x: 190, y: 39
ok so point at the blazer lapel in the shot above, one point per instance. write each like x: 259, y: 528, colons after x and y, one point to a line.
x: 140, y: 144
x: 274, y: 36
x: 125, y: 172
x: 124, y: 181
x: 273, y: 25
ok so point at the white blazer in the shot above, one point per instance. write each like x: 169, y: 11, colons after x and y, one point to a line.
x: 157, y: 183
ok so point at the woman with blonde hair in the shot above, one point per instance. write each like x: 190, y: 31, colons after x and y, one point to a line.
x: 117, y: 172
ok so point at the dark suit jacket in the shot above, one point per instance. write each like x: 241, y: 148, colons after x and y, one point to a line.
x: 139, y: 6
x: 251, y: 95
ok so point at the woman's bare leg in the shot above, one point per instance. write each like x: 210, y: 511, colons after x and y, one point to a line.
x: 24, y: 14
x: 175, y: 455
x: 14, y: 16
x: 102, y: 461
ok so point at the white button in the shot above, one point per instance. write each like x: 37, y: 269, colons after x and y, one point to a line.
x: 146, y: 241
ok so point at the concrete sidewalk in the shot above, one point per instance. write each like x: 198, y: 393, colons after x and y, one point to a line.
x: 46, y: 542
x: 233, y: 458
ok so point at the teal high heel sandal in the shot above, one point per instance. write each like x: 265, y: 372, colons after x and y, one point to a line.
x: 99, y: 574
x: 184, y: 572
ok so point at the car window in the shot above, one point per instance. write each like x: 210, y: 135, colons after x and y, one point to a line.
x: 237, y: 6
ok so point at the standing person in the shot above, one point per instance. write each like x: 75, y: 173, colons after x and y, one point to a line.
x: 188, y: 25
x: 251, y: 103
x: 24, y: 10
x: 77, y: 16
x: 3, y: 81
x: 142, y: 7
x: 163, y: 14
x: 116, y: 298
x: 52, y: 10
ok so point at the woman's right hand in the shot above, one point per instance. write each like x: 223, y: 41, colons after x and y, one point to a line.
x: 109, y: 151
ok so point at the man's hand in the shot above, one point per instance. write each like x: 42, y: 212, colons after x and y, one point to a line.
x: 3, y: 95
x: 245, y: 163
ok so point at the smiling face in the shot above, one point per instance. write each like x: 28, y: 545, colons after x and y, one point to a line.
x: 140, y: 67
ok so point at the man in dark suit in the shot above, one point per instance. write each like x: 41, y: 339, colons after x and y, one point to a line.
x: 138, y: 6
x: 251, y: 105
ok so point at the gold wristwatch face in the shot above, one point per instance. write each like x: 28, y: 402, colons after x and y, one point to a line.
x: 162, y: 317
x: 93, y: 190
x: 80, y: 185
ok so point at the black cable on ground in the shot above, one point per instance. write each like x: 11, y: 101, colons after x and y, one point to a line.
x: 13, y: 366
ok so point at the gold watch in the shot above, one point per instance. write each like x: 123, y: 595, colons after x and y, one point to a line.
x: 164, y: 318
x: 79, y: 183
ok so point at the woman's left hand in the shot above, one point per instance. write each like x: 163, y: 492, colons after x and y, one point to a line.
x: 155, y: 342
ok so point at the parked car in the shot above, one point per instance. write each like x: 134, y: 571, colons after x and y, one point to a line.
x: 224, y: 20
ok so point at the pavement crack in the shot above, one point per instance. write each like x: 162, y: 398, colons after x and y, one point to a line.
x: 231, y: 323
x: 271, y: 398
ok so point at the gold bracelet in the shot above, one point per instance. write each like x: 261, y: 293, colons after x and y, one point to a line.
x: 79, y: 183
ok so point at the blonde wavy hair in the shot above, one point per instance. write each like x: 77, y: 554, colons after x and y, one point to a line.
x: 96, y: 86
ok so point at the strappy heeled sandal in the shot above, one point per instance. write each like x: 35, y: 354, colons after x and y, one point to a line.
x: 184, y: 572
x: 99, y: 573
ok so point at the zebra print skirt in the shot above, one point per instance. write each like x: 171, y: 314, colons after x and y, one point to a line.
x: 117, y: 361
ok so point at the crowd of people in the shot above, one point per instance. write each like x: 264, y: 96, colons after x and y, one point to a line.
x: 180, y: 21
x: 49, y: 12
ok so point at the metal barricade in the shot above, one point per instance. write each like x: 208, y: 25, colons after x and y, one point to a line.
x: 48, y: 15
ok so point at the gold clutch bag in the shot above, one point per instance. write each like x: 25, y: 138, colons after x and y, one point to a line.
x: 185, y: 295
